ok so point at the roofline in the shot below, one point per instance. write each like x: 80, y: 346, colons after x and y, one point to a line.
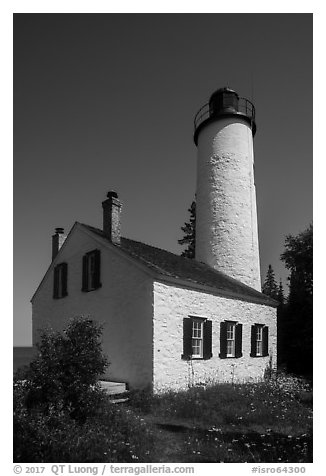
x: 120, y: 251
x: 55, y: 260
x: 217, y: 292
x: 105, y: 243
x: 156, y: 274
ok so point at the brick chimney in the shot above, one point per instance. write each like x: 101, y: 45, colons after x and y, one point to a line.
x: 111, y: 217
x: 57, y: 241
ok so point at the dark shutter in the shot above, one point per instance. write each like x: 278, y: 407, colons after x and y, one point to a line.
x: 85, y: 274
x: 97, y: 276
x: 253, y: 341
x: 265, y: 340
x: 223, y: 340
x: 64, y: 279
x: 207, y: 351
x: 187, y: 339
x: 238, y: 340
x: 55, y: 283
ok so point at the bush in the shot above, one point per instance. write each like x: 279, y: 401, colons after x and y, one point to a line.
x: 63, y: 377
x: 60, y: 412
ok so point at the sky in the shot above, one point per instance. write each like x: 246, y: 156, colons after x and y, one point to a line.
x: 107, y: 101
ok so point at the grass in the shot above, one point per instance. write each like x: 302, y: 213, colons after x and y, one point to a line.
x: 108, y: 433
x: 261, y: 422
x: 257, y: 423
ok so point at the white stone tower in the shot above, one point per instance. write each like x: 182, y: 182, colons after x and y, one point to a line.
x: 226, y: 213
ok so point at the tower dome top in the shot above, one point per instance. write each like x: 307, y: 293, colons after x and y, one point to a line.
x: 225, y: 89
x: 224, y: 102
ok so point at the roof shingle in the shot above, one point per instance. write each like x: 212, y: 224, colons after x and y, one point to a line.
x: 168, y: 264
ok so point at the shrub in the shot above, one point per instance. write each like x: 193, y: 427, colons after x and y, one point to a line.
x: 60, y: 412
x: 64, y: 374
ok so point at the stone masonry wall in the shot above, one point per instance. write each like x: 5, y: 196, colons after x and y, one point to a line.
x: 172, y: 304
x: 123, y: 305
x: 226, y: 214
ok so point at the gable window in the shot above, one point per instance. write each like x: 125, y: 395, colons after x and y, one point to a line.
x: 259, y: 340
x: 230, y: 339
x: 60, y: 281
x: 197, y: 338
x: 91, y: 271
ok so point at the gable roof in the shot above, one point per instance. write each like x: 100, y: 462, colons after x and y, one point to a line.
x: 169, y: 265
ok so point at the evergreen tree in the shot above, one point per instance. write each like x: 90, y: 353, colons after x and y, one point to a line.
x: 298, y: 258
x: 189, y: 230
x: 297, y: 317
x: 280, y: 294
x: 270, y: 287
x: 281, y: 343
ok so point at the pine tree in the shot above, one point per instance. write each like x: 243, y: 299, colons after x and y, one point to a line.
x: 298, y: 258
x: 281, y: 327
x: 270, y: 287
x: 297, y: 316
x: 189, y: 230
x: 280, y: 294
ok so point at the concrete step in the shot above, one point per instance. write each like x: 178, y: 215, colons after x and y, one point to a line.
x: 119, y: 400
x: 113, y: 388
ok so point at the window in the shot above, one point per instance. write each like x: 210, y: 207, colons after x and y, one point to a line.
x: 230, y: 339
x: 197, y: 338
x: 60, y: 281
x: 259, y: 340
x: 91, y: 271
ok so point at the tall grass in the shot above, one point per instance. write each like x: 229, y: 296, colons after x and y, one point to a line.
x: 259, y: 405
x: 110, y: 434
x: 261, y: 422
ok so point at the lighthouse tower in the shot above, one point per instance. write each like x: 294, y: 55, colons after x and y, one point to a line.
x: 226, y: 213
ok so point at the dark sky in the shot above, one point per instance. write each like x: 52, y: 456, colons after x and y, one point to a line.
x: 107, y: 101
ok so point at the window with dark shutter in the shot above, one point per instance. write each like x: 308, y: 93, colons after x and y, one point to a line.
x: 230, y: 339
x: 60, y: 281
x: 85, y: 273
x: 223, y: 327
x: 187, y: 339
x: 207, y: 342
x: 97, y: 269
x: 197, y: 338
x: 259, y: 340
x: 91, y: 271
x: 265, y: 341
x: 55, y: 283
x: 253, y: 341
x: 238, y: 340
x: 64, y: 271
